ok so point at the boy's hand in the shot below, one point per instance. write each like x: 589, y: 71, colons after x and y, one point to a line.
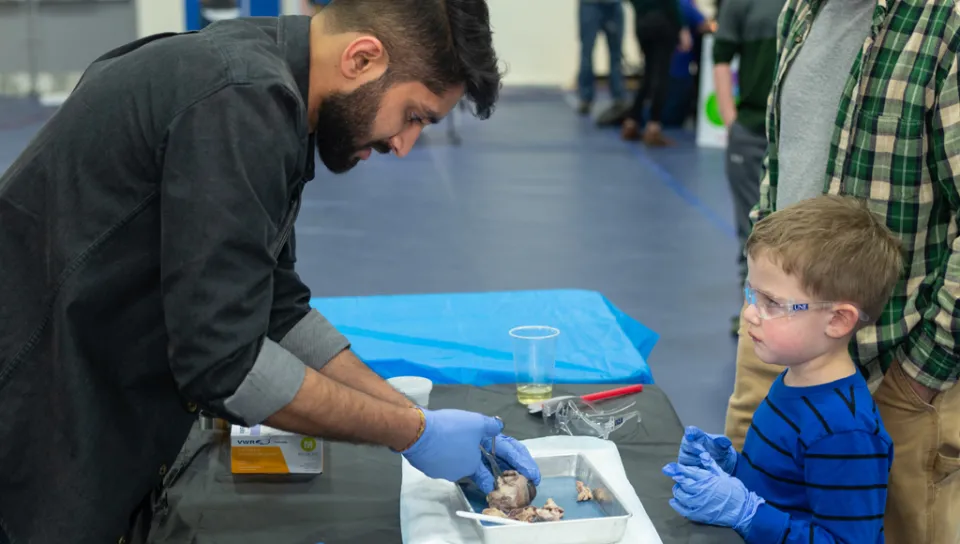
x: 709, y: 495
x: 717, y: 446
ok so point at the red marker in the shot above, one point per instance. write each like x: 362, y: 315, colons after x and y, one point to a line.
x: 628, y: 390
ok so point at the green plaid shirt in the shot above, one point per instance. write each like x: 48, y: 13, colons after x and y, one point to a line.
x: 896, y: 145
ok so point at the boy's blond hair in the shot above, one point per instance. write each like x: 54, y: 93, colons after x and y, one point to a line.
x: 837, y: 248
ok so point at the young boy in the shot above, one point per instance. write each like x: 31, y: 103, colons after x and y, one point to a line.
x: 815, y: 462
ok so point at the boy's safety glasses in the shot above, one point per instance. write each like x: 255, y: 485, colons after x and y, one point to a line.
x: 767, y: 308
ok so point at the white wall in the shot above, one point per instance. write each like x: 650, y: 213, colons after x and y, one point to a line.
x: 537, y: 40
x: 58, y: 42
x: 291, y: 7
x: 156, y: 16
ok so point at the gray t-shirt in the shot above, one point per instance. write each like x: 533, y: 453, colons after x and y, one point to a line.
x: 811, y: 96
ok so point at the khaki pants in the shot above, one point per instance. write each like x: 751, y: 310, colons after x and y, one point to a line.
x: 923, y: 500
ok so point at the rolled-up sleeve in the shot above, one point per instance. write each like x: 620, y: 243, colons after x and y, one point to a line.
x: 271, y: 383
x: 299, y: 328
x: 314, y: 340
x: 223, y: 194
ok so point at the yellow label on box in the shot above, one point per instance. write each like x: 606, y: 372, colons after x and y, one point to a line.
x: 265, y: 450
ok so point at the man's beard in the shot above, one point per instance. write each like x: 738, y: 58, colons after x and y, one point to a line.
x: 345, y: 121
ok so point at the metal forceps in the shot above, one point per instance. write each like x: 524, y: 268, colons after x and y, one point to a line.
x: 491, y: 457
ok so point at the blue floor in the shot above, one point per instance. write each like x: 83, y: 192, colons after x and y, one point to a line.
x: 535, y: 198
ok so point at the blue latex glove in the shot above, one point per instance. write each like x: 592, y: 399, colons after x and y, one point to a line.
x: 710, y: 495
x: 511, y: 455
x: 449, y: 447
x: 718, y: 446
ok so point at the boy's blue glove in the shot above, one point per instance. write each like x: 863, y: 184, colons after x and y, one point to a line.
x: 511, y: 455
x: 718, y: 446
x: 710, y: 495
x: 449, y: 447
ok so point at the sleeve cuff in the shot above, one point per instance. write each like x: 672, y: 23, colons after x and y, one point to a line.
x: 926, y: 361
x: 270, y: 385
x: 314, y: 340
x: 767, y: 525
x: 724, y: 51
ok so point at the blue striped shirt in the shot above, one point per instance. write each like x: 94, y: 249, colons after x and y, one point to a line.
x: 820, y: 457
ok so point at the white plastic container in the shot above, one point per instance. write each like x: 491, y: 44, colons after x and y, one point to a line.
x: 415, y: 388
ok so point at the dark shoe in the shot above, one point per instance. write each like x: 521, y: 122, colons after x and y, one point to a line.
x: 629, y: 131
x: 655, y: 138
x: 584, y: 108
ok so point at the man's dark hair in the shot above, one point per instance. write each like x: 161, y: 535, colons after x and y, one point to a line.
x: 440, y: 43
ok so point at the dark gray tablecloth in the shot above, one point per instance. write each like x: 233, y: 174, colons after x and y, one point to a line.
x: 356, y: 500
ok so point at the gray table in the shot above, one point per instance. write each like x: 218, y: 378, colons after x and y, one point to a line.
x: 357, y: 499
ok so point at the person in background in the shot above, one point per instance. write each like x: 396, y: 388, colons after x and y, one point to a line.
x: 682, y: 98
x: 816, y: 461
x: 661, y: 29
x: 866, y: 102
x: 747, y: 30
x: 600, y: 16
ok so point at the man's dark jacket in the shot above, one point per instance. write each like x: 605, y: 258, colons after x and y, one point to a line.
x: 147, y: 270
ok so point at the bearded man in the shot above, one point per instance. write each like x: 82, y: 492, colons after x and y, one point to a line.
x: 147, y: 249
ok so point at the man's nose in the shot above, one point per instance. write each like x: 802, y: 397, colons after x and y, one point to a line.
x: 402, y: 143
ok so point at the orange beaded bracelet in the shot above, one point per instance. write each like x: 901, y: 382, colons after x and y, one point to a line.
x: 423, y: 426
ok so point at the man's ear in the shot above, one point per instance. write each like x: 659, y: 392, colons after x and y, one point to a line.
x: 364, y: 58
x: 843, y: 320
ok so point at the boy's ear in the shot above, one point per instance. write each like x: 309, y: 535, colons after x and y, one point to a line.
x: 843, y: 320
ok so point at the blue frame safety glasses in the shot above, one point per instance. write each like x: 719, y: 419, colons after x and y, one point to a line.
x: 767, y: 308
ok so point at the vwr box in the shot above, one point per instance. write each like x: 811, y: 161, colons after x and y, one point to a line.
x: 265, y: 450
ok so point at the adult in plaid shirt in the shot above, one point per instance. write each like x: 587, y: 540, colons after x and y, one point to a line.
x: 869, y: 88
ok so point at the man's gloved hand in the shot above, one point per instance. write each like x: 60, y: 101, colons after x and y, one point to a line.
x: 511, y: 455
x: 449, y: 447
x: 710, y: 495
x: 718, y: 446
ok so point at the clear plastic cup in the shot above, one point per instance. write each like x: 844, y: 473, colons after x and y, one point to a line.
x: 534, y: 361
x: 415, y: 388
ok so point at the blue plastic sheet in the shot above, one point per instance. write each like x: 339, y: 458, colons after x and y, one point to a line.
x: 462, y: 338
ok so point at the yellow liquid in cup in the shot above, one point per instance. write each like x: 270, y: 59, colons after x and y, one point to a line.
x: 533, y: 392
